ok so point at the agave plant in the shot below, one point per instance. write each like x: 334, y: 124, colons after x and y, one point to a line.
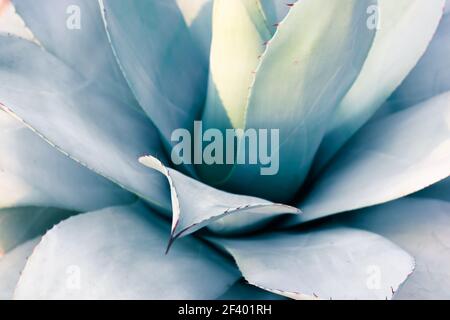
x: 97, y: 201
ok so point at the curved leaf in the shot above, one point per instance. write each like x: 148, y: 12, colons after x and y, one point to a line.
x: 198, y: 17
x: 422, y: 227
x: 275, y: 11
x: 386, y: 160
x: 121, y: 258
x: 406, y: 27
x: 18, y: 225
x: 430, y: 77
x: 440, y: 190
x: 160, y: 60
x: 11, y: 265
x: 196, y: 205
x: 32, y: 173
x: 79, y: 119
x: 308, y: 66
x: 71, y: 29
x: 236, y: 24
x: 243, y: 291
x: 332, y: 263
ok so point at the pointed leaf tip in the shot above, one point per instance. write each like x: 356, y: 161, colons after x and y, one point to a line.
x: 196, y: 205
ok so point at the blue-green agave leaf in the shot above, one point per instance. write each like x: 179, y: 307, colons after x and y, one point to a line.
x: 236, y: 24
x: 69, y: 28
x: 388, y: 159
x: 275, y: 11
x: 198, y: 17
x: 422, y: 227
x: 11, y: 266
x: 244, y: 291
x: 308, y: 66
x: 332, y: 263
x: 196, y: 205
x: 18, y: 225
x: 75, y: 117
x: 430, y: 77
x: 440, y: 190
x: 160, y: 60
x: 32, y: 173
x: 406, y: 27
x: 122, y: 258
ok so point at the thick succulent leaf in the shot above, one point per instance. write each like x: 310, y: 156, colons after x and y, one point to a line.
x: 159, y: 58
x: 79, y: 119
x: 71, y: 30
x: 243, y: 291
x: 430, y: 77
x: 198, y: 17
x: 196, y: 205
x: 18, y: 225
x: 422, y: 227
x: 11, y: 23
x: 386, y: 160
x: 332, y: 263
x: 275, y: 11
x: 121, y: 258
x: 236, y: 24
x: 440, y: 190
x: 11, y: 265
x: 406, y: 27
x: 309, y: 65
x: 33, y: 173
x: 232, y: 71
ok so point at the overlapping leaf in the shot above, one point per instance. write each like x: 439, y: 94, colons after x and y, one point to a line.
x: 388, y: 159
x: 244, y: 291
x: 430, y: 77
x: 422, y: 227
x: 11, y: 265
x: 70, y: 29
x: 309, y: 65
x: 33, y: 173
x: 121, y: 258
x: 160, y: 60
x: 405, y: 28
x: 18, y: 225
x: 79, y: 119
x: 232, y: 71
x: 333, y: 263
x: 440, y: 190
x: 275, y: 11
x: 198, y: 16
x: 196, y: 205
